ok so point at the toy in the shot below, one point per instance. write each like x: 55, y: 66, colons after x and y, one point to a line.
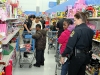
x: 91, y: 11
x: 3, y: 15
x: 93, y: 27
x: 98, y: 11
x: 70, y: 12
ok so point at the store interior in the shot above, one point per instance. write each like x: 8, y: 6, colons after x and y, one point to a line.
x: 12, y: 18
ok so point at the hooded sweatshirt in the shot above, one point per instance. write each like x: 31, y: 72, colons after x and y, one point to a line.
x: 64, y: 37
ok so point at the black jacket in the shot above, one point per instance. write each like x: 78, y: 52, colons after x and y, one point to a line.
x: 80, y: 38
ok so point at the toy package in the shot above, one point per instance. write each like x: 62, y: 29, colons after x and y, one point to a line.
x: 93, y: 27
x: 91, y: 11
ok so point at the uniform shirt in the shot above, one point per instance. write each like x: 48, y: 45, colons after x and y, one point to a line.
x: 28, y: 24
x: 80, y: 38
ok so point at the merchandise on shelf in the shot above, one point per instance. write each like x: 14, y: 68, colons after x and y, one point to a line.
x: 97, y: 35
x: 98, y: 11
x: 91, y: 10
x: 93, y: 27
x: 3, y: 29
x: 3, y: 15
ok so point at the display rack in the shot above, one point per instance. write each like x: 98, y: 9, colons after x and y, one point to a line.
x: 6, y: 58
x: 11, y: 19
x: 10, y: 36
x: 87, y: 73
x: 96, y: 40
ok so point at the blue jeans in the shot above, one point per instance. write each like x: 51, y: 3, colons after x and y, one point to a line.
x: 64, y: 69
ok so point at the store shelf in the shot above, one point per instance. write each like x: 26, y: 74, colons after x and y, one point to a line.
x: 95, y: 56
x: 11, y: 18
x: 6, y: 58
x: 16, y: 22
x: 87, y: 73
x: 9, y: 37
x: 94, y: 18
x: 96, y: 40
x: 2, y: 38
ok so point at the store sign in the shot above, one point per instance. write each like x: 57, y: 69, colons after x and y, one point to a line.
x: 60, y: 14
x: 52, y: 4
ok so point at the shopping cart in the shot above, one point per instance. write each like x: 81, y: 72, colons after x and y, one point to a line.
x: 52, y: 40
x: 23, y: 60
x: 58, y: 64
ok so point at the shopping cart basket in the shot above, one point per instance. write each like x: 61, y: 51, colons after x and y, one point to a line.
x: 52, y: 40
x: 23, y: 60
x: 58, y: 64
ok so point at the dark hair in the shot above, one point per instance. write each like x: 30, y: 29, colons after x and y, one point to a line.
x: 37, y: 17
x: 81, y: 15
x: 38, y: 25
x: 32, y: 16
x: 54, y: 22
x: 69, y: 21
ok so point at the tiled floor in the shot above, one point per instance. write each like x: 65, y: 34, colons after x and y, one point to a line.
x: 47, y: 69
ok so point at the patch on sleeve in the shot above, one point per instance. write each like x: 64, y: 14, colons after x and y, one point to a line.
x: 73, y: 32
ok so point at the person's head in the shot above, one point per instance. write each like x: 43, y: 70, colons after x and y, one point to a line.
x: 32, y: 17
x: 80, y: 18
x: 66, y: 23
x: 41, y: 18
x: 38, y: 27
x: 54, y: 23
x: 37, y: 19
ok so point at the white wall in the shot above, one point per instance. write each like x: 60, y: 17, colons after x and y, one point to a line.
x: 30, y: 5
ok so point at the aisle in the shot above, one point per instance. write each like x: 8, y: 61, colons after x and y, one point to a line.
x: 47, y: 69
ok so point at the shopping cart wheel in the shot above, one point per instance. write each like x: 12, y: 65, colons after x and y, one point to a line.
x: 21, y: 66
x: 30, y: 66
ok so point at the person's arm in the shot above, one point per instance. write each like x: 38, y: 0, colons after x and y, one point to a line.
x: 40, y: 24
x: 62, y: 38
x: 71, y: 43
x: 37, y: 35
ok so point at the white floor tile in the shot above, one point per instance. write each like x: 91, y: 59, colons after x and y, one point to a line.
x: 47, y: 69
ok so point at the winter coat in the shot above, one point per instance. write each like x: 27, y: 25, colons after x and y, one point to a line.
x: 64, y: 37
x: 40, y: 37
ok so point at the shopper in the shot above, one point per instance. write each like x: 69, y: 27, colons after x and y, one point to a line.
x: 40, y: 45
x: 53, y: 27
x: 35, y: 22
x: 43, y: 22
x: 79, y: 46
x: 63, y: 39
x: 28, y: 23
x: 60, y: 26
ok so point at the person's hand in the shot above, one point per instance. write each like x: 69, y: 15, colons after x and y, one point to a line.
x: 62, y: 60
x: 29, y: 31
x: 31, y: 28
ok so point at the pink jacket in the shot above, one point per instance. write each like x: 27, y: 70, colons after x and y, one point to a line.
x: 64, y: 37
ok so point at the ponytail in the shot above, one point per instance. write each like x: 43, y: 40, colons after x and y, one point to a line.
x: 82, y: 15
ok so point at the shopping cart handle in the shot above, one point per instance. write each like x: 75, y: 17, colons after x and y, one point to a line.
x: 28, y: 36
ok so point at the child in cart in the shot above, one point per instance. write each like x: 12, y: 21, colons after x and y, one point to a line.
x: 27, y: 47
x: 63, y: 39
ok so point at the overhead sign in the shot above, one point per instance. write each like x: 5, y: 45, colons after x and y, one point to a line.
x: 52, y: 4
